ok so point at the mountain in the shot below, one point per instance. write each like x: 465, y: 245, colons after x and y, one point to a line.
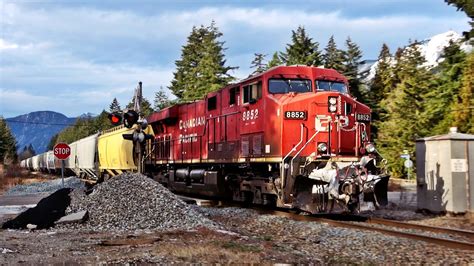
x: 431, y: 49
x: 37, y: 128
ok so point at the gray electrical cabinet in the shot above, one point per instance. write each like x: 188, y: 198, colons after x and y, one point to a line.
x: 445, y: 173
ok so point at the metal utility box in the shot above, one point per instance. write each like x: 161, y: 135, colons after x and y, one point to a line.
x: 445, y: 172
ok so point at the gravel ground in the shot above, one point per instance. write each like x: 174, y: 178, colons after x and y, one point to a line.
x: 133, y: 219
x: 327, y: 244
x: 133, y: 201
x: 46, y: 187
x: 245, y: 237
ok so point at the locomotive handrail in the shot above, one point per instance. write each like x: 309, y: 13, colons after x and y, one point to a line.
x: 302, y: 148
x: 289, y: 153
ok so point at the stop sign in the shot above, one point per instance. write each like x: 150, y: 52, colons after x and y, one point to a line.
x: 62, y: 151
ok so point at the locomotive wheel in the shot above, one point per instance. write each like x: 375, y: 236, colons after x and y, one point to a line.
x: 269, y: 200
x: 246, y: 196
x: 353, y: 207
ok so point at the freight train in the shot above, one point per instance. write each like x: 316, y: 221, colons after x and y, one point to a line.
x: 290, y: 137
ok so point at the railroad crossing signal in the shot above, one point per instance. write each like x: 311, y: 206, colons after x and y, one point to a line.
x: 62, y: 151
x: 115, y: 118
x: 130, y: 118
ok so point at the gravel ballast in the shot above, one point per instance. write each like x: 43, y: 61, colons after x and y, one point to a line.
x: 46, y: 187
x: 133, y: 201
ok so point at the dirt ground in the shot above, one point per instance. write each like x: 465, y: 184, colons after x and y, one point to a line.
x: 92, y: 247
x: 245, y: 238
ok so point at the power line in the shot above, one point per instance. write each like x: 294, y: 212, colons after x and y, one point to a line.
x: 44, y: 123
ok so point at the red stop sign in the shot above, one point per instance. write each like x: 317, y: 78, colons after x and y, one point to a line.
x: 62, y: 151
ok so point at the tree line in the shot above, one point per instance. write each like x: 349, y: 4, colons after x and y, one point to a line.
x: 7, y: 143
x: 409, y: 100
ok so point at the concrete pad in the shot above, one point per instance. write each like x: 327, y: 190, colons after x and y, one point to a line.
x: 77, y: 217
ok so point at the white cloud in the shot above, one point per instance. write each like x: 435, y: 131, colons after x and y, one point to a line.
x: 6, y: 45
x: 83, y: 57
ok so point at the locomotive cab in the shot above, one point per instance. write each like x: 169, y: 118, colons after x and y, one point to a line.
x: 322, y: 126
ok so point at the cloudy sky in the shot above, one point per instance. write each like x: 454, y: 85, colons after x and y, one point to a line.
x: 75, y: 56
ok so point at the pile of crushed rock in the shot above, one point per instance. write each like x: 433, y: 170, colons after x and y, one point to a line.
x: 133, y: 201
x: 46, y: 187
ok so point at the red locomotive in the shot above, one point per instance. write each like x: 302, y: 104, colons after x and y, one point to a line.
x: 291, y: 137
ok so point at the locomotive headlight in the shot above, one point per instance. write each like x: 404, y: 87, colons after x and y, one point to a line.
x: 322, y: 147
x: 370, y: 147
x: 332, y: 104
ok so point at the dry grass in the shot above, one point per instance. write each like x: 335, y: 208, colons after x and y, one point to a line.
x: 12, y: 175
x: 208, y: 252
x: 206, y: 246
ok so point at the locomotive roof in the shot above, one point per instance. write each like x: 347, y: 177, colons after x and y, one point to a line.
x: 171, y: 111
x: 327, y: 71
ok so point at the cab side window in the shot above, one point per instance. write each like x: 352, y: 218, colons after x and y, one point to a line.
x: 233, y: 95
x: 252, y: 92
x: 212, y: 103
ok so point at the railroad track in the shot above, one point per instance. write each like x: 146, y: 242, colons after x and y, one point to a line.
x: 464, y: 233
x: 389, y: 227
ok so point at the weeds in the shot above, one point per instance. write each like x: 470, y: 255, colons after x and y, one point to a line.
x: 12, y: 175
x: 241, y: 247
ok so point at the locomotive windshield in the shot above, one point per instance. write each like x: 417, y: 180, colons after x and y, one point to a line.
x: 326, y: 85
x: 281, y: 86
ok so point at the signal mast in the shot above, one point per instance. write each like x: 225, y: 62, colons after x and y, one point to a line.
x: 131, y: 117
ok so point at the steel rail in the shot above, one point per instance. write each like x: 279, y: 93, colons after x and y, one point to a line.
x: 357, y: 222
x: 462, y: 232
x: 430, y: 239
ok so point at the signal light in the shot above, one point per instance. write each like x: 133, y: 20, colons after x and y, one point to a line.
x: 137, y: 136
x: 130, y: 118
x: 115, y: 119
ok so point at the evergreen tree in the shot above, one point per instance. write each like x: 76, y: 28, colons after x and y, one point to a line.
x: 333, y: 57
x: 276, y: 61
x: 467, y: 6
x: 26, y: 153
x: 396, y: 69
x: 380, y: 86
x: 7, y: 143
x: 82, y: 127
x: 352, y: 59
x: 185, y: 66
x: 201, y: 68
x: 302, y: 50
x: 52, y: 141
x: 464, y: 115
x: 31, y: 149
x: 114, y: 106
x: 161, y: 100
x: 404, y: 121
x: 146, y: 107
x: 442, y: 103
x: 258, y: 64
